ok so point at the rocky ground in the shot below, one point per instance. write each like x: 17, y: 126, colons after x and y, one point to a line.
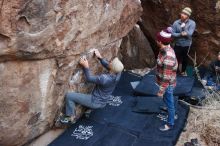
x: 46, y: 138
x: 203, y: 121
x: 203, y: 125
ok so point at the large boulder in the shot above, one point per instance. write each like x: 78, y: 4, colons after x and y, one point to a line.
x: 41, y: 42
x: 136, y: 50
x: 158, y: 14
x: 39, y: 29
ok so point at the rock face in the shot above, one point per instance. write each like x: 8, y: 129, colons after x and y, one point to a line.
x: 158, y: 14
x: 41, y: 42
x: 136, y: 50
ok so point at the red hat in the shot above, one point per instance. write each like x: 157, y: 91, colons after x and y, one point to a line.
x: 165, y: 35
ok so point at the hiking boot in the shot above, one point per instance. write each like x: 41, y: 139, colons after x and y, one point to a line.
x: 68, y: 120
x: 195, y: 142
x: 188, y: 144
x: 165, y: 128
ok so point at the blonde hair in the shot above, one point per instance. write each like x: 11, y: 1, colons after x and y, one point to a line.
x: 116, y: 65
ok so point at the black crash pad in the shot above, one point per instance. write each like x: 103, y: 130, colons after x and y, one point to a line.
x: 116, y: 124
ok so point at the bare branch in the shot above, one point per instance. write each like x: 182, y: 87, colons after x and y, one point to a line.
x: 204, y: 59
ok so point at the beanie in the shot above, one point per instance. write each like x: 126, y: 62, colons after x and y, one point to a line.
x: 117, y: 65
x: 165, y: 35
x: 187, y: 11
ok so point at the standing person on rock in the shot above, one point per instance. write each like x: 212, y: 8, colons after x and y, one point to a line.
x: 166, y: 75
x: 104, y: 86
x: 183, y: 30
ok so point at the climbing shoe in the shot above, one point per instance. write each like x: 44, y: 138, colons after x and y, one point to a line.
x: 67, y: 120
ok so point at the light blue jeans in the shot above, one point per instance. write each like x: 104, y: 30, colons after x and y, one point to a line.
x: 83, y: 99
x: 168, y: 99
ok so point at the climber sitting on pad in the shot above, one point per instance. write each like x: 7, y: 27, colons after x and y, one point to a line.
x: 105, y: 84
x: 212, y: 74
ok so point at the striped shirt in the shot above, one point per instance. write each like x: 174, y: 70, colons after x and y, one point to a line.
x: 166, y: 69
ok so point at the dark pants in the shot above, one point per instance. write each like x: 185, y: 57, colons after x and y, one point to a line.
x: 181, y: 55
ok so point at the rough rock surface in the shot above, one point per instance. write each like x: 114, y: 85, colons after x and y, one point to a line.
x: 136, y: 50
x: 41, y: 42
x: 158, y: 14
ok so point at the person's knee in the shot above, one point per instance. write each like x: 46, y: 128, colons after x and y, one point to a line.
x: 67, y: 97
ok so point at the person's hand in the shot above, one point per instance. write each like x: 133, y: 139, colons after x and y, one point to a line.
x: 84, y: 62
x: 184, y: 33
x: 159, y: 94
x: 97, y: 54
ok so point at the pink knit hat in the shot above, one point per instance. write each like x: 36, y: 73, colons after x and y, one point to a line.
x: 165, y: 35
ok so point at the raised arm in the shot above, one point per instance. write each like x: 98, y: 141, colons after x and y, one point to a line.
x: 102, y: 61
x: 89, y: 77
